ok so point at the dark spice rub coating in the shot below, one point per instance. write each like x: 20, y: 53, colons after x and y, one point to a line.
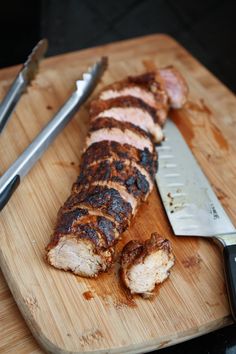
x: 145, y: 264
x: 98, y: 106
x: 103, y: 129
x: 108, y: 200
x: 110, y: 123
x: 150, y: 82
x: 120, y: 152
x: 76, y: 210
x: 98, y: 229
x: 116, y: 171
x: 135, y: 251
x: 67, y: 217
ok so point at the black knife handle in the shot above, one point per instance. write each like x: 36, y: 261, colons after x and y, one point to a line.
x: 8, y: 191
x: 229, y: 253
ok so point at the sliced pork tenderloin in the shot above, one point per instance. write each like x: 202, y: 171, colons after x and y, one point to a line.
x: 102, y: 205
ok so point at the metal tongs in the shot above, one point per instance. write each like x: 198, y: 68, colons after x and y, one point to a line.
x: 10, y: 180
x: 23, y: 79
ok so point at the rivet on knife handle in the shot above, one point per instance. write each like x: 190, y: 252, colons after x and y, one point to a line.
x: 26, y: 74
x: 84, y: 87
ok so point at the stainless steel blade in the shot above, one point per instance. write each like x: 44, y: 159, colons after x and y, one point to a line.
x: 189, y: 200
x: 33, y: 152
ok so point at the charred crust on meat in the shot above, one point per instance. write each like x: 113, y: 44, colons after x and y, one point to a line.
x: 142, y: 183
x: 150, y: 82
x: 145, y: 80
x: 151, y: 259
x: 99, y: 106
x: 108, y: 200
x: 87, y: 231
x: 107, y: 227
x: 126, y: 175
x: 111, y: 149
x: 67, y: 218
x: 136, y: 251
x: 119, y: 165
x: 110, y: 123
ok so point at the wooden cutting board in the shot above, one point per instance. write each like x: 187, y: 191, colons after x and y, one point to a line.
x: 68, y: 314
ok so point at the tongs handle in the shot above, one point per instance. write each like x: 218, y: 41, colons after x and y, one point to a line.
x: 10, y: 100
x: 84, y: 87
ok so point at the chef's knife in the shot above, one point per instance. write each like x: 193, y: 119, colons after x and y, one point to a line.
x: 191, y: 204
x: 84, y: 87
x: 24, y: 77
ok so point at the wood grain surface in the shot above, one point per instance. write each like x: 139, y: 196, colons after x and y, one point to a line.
x: 68, y: 314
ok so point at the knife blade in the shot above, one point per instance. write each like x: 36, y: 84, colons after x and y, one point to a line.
x: 10, y: 180
x: 190, y: 203
x: 24, y: 77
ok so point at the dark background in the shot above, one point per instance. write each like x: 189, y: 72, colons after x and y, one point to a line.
x: 206, y: 28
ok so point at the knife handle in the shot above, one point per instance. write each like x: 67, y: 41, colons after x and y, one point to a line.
x: 8, y: 191
x: 229, y: 253
x: 10, y: 100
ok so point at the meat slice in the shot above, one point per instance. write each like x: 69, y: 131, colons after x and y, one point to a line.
x: 129, y: 109
x: 122, y: 132
x: 105, y: 150
x: 107, y: 200
x: 175, y: 86
x: 125, y: 195
x: 147, y: 87
x: 86, y: 246
x: 126, y: 178
x: 100, y: 106
x: 143, y: 265
x: 128, y: 90
x: 98, y: 229
x: 122, y: 173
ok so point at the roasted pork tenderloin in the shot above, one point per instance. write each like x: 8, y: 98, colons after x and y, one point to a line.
x: 145, y: 264
x: 117, y: 171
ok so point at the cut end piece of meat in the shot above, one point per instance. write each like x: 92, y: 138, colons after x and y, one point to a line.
x: 80, y: 257
x: 175, y: 86
x: 143, y: 265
